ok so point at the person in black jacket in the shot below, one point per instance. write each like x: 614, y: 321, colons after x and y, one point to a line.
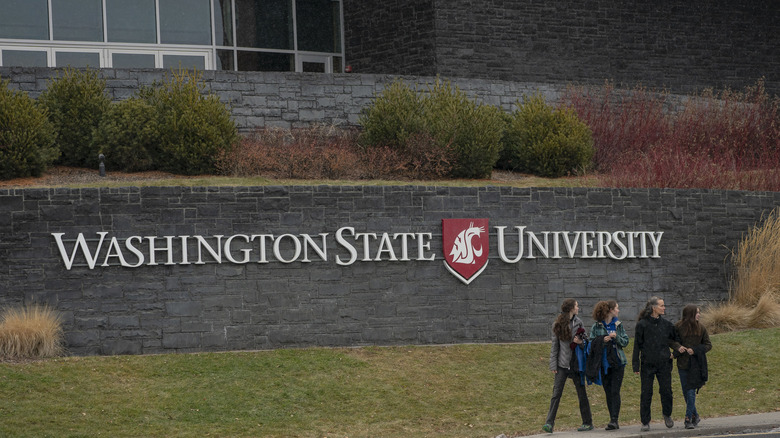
x: 652, y: 359
x: 692, y: 364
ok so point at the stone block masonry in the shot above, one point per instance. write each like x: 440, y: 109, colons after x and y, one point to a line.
x: 186, y: 269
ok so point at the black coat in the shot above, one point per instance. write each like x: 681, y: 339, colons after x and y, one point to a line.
x: 698, y: 372
x: 653, y: 337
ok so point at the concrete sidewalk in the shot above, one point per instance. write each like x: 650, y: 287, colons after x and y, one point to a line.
x: 708, y: 426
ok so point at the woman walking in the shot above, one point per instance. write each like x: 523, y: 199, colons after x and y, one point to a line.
x: 610, y: 333
x: 568, y: 334
x: 692, y: 364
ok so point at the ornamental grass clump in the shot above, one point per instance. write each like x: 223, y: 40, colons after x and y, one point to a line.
x: 754, y: 290
x: 30, y: 332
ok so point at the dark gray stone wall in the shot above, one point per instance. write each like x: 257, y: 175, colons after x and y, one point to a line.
x: 232, y: 306
x: 287, y: 100
x: 678, y: 45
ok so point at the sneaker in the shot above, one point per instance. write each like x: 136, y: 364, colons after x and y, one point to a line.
x: 612, y: 425
x: 645, y: 427
x: 585, y: 428
x: 547, y: 428
x: 668, y: 421
x: 688, y: 424
x: 695, y: 420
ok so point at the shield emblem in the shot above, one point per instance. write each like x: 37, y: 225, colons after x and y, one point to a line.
x: 466, y: 244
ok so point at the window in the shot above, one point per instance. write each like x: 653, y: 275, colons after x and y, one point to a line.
x: 261, y: 61
x: 131, y: 21
x: 252, y: 35
x: 318, y: 25
x: 223, y: 22
x: 24, y: 19
x: 77, y: 20
x: 185, y: 22
x: 133, y: 60
x: 176, y: 61
x: 264, y: 24
x: 25, y: 58
x: 77, y: 59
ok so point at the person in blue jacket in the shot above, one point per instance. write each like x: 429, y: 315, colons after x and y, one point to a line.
x: 610, y: 332
x: 568, y: 334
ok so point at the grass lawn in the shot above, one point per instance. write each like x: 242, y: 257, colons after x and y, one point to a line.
x: 453, y: 391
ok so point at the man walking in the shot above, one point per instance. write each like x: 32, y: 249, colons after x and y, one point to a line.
x: 652, y: 359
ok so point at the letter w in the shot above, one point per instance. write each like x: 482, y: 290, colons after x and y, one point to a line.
x: 80, y: 243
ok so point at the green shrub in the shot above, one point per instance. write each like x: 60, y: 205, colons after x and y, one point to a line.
x: 394, y: 116
x: 546, y: 141
x: 128, y: 135
x: 193, y: 129
x: 26, y: 136
x: 466, y: 134
x: 473, y: 131
x: 76, y: 102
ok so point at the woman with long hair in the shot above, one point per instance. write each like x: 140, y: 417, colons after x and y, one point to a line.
x: 610, y: 333
x: 692, y: 364
x: 568, y: 333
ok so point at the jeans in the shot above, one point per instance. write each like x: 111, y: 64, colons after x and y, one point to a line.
x: 689, y: 395
x: 612, y: 382
x: 582, y: 397
x: 663, y: 373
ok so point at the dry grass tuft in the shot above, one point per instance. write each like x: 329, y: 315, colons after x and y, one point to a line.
x: 754, y: 296
x: 30, y: 332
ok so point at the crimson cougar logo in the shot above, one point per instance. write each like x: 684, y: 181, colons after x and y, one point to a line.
x: 465, y: 247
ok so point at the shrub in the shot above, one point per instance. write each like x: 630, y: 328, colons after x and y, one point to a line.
x: 26, y: 136
x: 453, y: 129
x: 128, y: 135
x: 30, y: 332
x: 546, y: 141
x: 193, y: 128
x: 395, y: 115
x: 726, y: 140
x: 76, y: 102
x: 472, y: 131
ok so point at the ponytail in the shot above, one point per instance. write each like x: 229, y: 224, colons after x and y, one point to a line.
x: 648, y: 310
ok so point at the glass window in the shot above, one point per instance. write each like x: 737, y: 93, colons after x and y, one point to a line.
x: 225, y: 60
x: 131, y: 21
x: 185, y: 22
x: 77, y: 20
x: 132, y: 60
x: 188, y: 62
x: 223, y: 23
x: 24, y: 58
x: 259, y: 61
x: 24, y: 19
x: 77, y: 59
x: 264, y: 24
x: 318, y: 25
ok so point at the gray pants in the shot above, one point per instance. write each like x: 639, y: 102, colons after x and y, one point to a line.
x: 555, y: 401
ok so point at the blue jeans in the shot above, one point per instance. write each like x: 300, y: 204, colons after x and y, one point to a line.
x: 689, y: 396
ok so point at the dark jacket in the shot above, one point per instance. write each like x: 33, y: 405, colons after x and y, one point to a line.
x: 697, y: 373
x: 653, y: 337
x: 691, y: 341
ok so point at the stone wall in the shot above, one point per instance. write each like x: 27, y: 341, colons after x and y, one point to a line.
x: 155, y: 284
x: 678, y: 45
x: 287, y: 100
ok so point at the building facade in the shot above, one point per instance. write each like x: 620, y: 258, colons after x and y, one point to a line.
x: 243, y: 35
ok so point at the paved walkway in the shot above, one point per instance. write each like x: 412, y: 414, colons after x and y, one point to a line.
x: 707, y: 427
